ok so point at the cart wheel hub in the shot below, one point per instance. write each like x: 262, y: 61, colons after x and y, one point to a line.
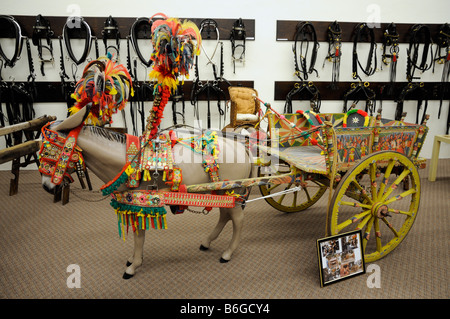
x: 380, y: 210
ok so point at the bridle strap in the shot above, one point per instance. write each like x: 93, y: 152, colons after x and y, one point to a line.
x: 391, y: 42
x: 334, y: 34
x: 69, y: 26
x: 361, y: 30
x: 413, y: 51
x: 18, y: 44
x: 42, y: 30
x: 238, y: 33
x: 407, y: 90
x: 302, y: 30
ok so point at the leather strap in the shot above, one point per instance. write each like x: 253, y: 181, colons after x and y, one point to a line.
x: 302, y: 70
x: 363, y: 30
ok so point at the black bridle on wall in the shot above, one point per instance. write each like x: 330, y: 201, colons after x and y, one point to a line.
x: 334, y: 36
x: 361, y: 31
x: 210, y: 89
x: 304, y: 33
x: 43, y: 31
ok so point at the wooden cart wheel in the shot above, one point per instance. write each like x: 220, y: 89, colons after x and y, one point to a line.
x: 369, y: 198
x: 293, y: 202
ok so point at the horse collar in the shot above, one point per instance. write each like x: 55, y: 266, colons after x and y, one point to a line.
x: 144, y: 23
x: 70, y: 26
x: 19, y: 41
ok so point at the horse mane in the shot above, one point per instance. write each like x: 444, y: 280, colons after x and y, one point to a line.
x: 107, y: 134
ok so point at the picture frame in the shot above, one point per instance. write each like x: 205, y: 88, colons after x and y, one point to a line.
x: 340, y: 257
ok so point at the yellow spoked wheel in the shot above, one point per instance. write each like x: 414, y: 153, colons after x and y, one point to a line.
x: 370, y: 198
x: 292, y: 202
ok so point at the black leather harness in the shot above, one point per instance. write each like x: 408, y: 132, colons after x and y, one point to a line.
x: 111, y: 31
x: 334, y: 35
x: 358, y: 91
x: 443, y: 43
x: 419, y: 34
x: 75, y: 25
x: 311, y: 90
x: 390, y: 52
x: 305, y: 33
x: 42, y: 31
x: 237, y: 33
x: 421, y: 95
x: 362, y: 31
x: 12, y: 24
x: 210, y: 88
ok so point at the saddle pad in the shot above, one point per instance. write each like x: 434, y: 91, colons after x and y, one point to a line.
x: 305, y: 158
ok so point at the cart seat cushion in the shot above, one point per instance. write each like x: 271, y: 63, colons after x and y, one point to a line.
x: 246, y: 117
x: 243, y: 99
x: 306, y: 158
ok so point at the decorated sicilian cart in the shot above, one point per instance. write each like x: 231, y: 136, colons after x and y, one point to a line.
x: 369, y: 164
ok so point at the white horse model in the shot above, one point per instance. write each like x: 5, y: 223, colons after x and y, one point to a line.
x: 104, y: 153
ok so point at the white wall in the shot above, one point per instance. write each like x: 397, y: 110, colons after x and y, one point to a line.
x: 267, y: 60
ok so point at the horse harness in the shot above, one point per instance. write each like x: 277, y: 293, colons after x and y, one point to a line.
x: 334, y: 36
x: 443, y: 43
x: 419, y: 34
x: 237, y: 33
x: 412, y: 88
x: 305, y: 30
x: 42, y: 31
x: 111, y: 31
x: 211, y: 88
x: 18, y: 98
x: 390, y: 51
x: 310, y: 89
x: 362, y: 30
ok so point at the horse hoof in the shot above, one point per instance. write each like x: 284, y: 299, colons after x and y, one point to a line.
x: 203, y: 248
x: 128, y: 263
x: 223, y: 261
x: 127, y: 276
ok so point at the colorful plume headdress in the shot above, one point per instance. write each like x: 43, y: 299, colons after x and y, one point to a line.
x: 106, y: 85
x: 175, y: 44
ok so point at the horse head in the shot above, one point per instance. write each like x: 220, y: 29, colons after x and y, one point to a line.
x: 59, y: 154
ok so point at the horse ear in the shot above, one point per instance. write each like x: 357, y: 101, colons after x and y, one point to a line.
x: 74, y: 120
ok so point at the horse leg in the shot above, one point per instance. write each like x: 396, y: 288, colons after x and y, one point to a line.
x: 223, y: 219
x: 237, y: 218
x: 138, y: 254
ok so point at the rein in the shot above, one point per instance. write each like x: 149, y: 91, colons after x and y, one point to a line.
x: 303, y: 30
x: 363, y: 30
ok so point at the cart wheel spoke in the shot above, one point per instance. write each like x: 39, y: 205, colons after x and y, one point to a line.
x: 397, y: 211
x: 387, y: 173
x: 400, y: 196
x: 389, y: 225
x: 362, y: 191
x: 353, y: 204
x: 353, y: 219
x: 395, y: 184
